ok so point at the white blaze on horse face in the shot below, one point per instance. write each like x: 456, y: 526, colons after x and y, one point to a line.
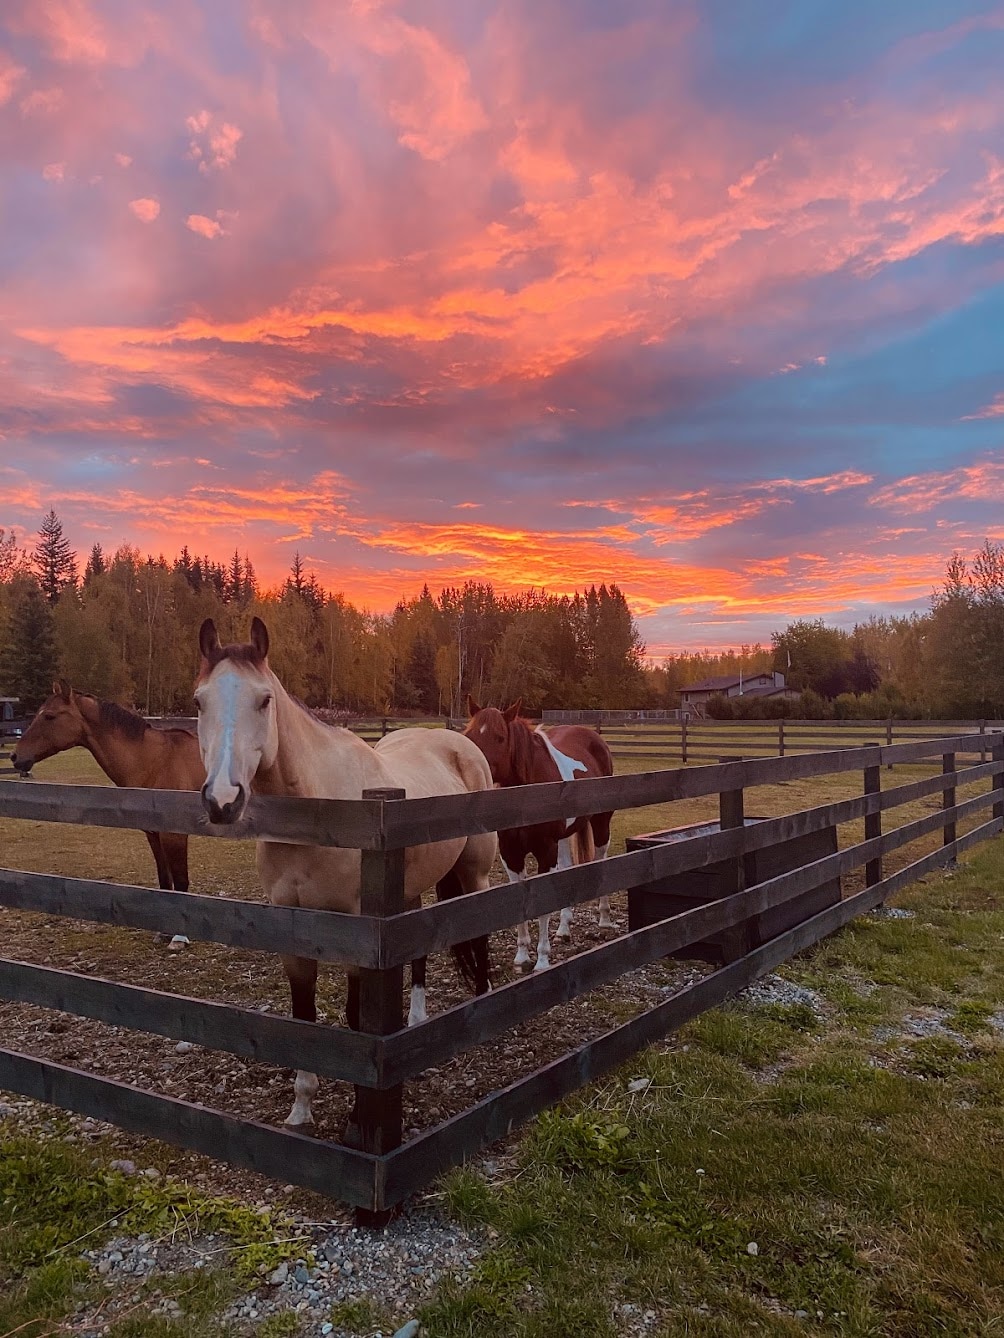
x: 235, y: 733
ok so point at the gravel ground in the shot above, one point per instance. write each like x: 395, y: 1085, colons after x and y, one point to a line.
x: 775, y: 989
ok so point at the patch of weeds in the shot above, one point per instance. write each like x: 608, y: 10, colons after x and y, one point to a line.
x: 970, y: 1016
x: 583, y: 1142
x: 797, y: 1016
x: 46, y: 1294
x: 282, y: 1325
x: 359, y: 1316
x: 753, y: 1037
x: 934, y: 1057
x: 469, y: 1197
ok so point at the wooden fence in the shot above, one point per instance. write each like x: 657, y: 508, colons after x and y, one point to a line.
x: 384, y: 1054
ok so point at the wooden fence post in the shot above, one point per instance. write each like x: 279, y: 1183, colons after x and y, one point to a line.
x: 983, y: 751
x: 997, y: 754
x: 732, y: 813
x: 888, y: 736
x: 948, y: 799
x: 383, y: 727
x: 381, y: 1011
x: 780, y: 738
x: 873, y: 824
x: 683, y: 740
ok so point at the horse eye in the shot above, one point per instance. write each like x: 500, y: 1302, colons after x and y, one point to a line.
x: 263, y: 705
x: 198, y: 706
x: 49, y: 715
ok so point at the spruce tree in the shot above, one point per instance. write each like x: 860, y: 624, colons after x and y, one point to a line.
x: 28, y: 654
x: 96, y: 565
x: 54, y: 560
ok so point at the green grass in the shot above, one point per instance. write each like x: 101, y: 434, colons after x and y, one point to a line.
x: 865, y: 1169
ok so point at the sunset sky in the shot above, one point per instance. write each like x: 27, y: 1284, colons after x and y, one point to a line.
x: 705, y: 299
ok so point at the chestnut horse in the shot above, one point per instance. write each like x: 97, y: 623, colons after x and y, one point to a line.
x: 255, y: 737
x: 520, y: 754
x: 130, y: 752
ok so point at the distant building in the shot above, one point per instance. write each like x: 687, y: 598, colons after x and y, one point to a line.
x: 695, y: 696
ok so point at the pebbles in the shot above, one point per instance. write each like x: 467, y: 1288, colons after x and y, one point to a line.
x: 774, y: 989
x: 396, y: 1270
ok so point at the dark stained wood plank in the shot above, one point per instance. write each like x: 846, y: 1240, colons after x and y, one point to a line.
x: 350, y: 823
x: 327, y: 935
x: 873, y: 824
x: 414, y: 821
x: 948, y: 798
x: 434, y: 928
x: 328, y: 1168
x: 333, y: 1051
x: 415, y: 1164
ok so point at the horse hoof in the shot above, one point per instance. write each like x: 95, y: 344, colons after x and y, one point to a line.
x: 299, y: 1126
x: 563, y: 933
x: 177, y: 943
x: 607, y: 923
x: 540, y: 966
x: 521, y: 959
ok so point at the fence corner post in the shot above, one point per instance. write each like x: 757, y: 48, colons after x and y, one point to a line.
x: 381, y: 1012
x: 873, y: 821
x: 683, y: 739
x: 998, y: 781
x: 948, y: 801
x: 780, y: 738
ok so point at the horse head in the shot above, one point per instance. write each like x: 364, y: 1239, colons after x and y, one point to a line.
x: 238, y: 732
x: 490, y: 729
x: 58, y: 724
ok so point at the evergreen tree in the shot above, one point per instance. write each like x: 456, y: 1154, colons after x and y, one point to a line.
x: 54, y: 560
x: 28, y: 662
x: 296, y: 581
x: 96, y: 565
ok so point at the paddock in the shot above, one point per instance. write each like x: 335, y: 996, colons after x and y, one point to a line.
x: 437, y: 1094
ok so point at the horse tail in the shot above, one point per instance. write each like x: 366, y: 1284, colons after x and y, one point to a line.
x: 470, y: 957
x: 583, y: 847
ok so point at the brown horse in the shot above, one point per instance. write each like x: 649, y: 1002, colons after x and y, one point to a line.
x: 130, y: 752
x: 520, y: 754
x: 256, y: 738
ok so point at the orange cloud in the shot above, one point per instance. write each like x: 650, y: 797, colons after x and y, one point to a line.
x: 921, y: 492
x: 146, y: 210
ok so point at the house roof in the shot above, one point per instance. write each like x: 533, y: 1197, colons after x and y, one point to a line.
x: 724, y: 681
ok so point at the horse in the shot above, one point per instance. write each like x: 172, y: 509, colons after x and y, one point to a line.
x: 520, y: 754
x: 255, y: 737
x: 130, y: 752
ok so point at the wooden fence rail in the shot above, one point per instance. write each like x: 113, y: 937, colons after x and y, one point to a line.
x: 383, y: 1053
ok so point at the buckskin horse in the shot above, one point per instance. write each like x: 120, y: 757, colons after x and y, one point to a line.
x: 130, y: 752
x: 520, y: 754
x: 255, y: 737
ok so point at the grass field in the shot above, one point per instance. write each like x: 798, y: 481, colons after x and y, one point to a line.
x: 854, y: 1140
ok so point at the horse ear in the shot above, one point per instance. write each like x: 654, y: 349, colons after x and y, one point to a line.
x: 259, y: 637
x: 472, y: 705
x: 511, y: 712
x: 209, y: 639
x: 62, y: 689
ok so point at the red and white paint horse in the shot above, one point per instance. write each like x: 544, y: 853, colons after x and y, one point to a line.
x: 520, y: 754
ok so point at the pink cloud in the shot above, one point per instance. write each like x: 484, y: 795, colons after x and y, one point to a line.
x: 205, y: 227
x: 54, y: 171
x: 123, y: 159
x: 42, y: 102
x: 922, y: 492
x: 11, y: 75
x: 995, y: 409
x: 212, y: 146
x: 146, y: 210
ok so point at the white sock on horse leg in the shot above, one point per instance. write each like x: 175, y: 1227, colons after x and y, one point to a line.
x: 304, y: 1089
x: 565, y: 923
x: 522, y: 930
x: 416, y: 1012
x: 543, y: 943
x: 179, y: 941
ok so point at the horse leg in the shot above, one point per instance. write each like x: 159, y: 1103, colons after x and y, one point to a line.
x: 353, y: 1133
x: 417, y: 1013
x: 565, y: 861
x: 301, y: 972
x: 522, y: 929
x: 165, y: 878
x: 175, y: 848
x: 601, y: 840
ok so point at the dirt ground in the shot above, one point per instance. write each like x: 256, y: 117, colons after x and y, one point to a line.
x: 225, y: 868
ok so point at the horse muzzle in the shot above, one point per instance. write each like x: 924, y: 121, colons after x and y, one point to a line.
x: 22, y: 765
x: 228, y: 813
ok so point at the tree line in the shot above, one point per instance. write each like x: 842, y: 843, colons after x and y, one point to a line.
x: 126, y: 628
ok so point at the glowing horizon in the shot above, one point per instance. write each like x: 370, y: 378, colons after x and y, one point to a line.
x: 708, y: 307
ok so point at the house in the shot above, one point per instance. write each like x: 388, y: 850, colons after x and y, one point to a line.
x: 10, y: 711
x: 770, y: 683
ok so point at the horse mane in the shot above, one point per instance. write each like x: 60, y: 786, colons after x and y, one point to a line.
x: 523, y: 745
x: 118, y: 717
